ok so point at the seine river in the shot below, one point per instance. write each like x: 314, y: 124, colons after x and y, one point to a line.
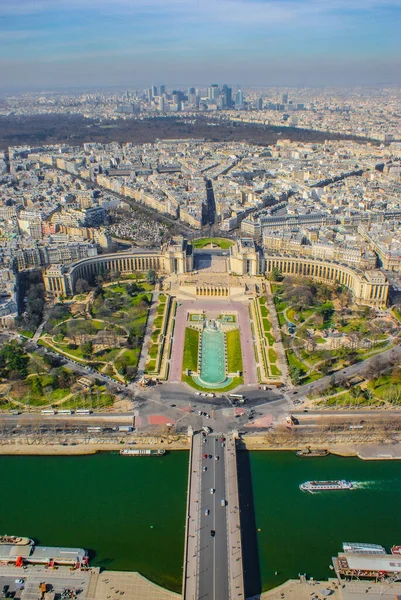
x: 130, y: 512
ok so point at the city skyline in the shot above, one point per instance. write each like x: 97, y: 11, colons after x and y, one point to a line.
x: 300, y: 42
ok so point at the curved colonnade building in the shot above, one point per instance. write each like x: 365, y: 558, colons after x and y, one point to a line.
x: 245, y: 259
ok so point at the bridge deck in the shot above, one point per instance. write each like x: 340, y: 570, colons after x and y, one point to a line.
x: 213, y: 552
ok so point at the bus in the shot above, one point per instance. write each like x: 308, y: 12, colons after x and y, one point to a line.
x: 65, y: 412
x: 238, y: 397
x: 83, y: 411
x: 48, y: 412
x: 94, y: 429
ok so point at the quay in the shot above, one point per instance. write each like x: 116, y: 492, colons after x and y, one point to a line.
x: 213, y: 568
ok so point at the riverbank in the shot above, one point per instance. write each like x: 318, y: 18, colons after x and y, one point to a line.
x: 364, y: 451
x: 41, y: 448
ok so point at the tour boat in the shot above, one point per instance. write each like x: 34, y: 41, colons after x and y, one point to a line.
x: 319, y: 486
x: 360, y: 548
x: 142, y: 452
x: 15, y: 540
x: 308, y: 452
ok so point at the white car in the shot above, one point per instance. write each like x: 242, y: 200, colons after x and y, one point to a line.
x: 212, y: 490
x: 207, y: 512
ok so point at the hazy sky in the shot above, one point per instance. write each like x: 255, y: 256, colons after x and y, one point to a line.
x: 135, y: 43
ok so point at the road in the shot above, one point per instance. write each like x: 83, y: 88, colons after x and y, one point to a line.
x: 213, y: 551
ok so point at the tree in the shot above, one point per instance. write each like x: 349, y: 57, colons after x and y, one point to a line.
x: 326, y: 310
x: 13, y: 358
x: 87, y: 349
x: 276, y: 275
x: 296, y: 374
x: 151, y: 276
x: 81, y: 286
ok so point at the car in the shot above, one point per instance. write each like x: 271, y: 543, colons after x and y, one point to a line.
x: 207, y: 512
x: 212, y: 532
x: 216, y: 457
x: 222, y: 444
x: 5, y: 589
x: 197, y: 393
x: 222, y: 502
x: 204, y: 469
x: 205, y: 456
x: 212, y: 490
x: 210, y: 456
x: 173, y: 405
x: 305, y: 410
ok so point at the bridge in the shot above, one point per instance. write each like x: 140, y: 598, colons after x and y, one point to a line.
x: 213, y: 567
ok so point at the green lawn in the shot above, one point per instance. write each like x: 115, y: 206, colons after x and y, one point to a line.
x: 272, y: 355
x: 234, y: 356
x: 191, y: 348
x: 275, y: 371
x: 269, y: 338
x: 157, y: 323
x: 26, y: 333
x: 150, y: 367
x: 155, y: 335
x: 153, y: 350
x: 223, y: 243
x: 294, y: 361
x: 281, y: 319
x: 160, y: 308
x: 266, y: 325
x: 263, y: 311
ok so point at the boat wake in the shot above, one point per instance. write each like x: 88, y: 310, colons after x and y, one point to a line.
x: 364, y: 485
x: 378, y: 484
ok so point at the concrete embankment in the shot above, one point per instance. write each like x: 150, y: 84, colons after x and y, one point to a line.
x: 363, y: 450
x: 93, y: 447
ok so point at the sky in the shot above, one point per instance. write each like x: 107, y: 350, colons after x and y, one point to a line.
x: 134, y: 43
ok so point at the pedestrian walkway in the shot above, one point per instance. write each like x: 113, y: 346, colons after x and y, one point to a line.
x: 148, y: 331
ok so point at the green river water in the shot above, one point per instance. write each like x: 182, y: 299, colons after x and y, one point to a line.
x: 131, y: 511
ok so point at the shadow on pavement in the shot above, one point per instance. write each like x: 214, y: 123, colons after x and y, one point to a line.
x: 250, y: 551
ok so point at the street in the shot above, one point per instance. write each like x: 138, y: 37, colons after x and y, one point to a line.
x: 213, y: 552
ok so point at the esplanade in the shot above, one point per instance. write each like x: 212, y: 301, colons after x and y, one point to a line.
x: 244, y: 259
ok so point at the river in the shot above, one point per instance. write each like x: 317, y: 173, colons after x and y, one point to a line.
x: 130, y: 512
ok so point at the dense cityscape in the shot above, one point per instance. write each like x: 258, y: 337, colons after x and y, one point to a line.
x: 200, y: 300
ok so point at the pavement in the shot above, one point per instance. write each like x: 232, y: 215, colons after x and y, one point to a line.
x: 107, y: 585
x: 317, y: 590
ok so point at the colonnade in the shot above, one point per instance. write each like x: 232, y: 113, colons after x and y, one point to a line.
x: 212, y: 290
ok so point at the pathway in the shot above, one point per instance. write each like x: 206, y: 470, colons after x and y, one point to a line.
x: 282, y: 359
x: 152, y: 314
